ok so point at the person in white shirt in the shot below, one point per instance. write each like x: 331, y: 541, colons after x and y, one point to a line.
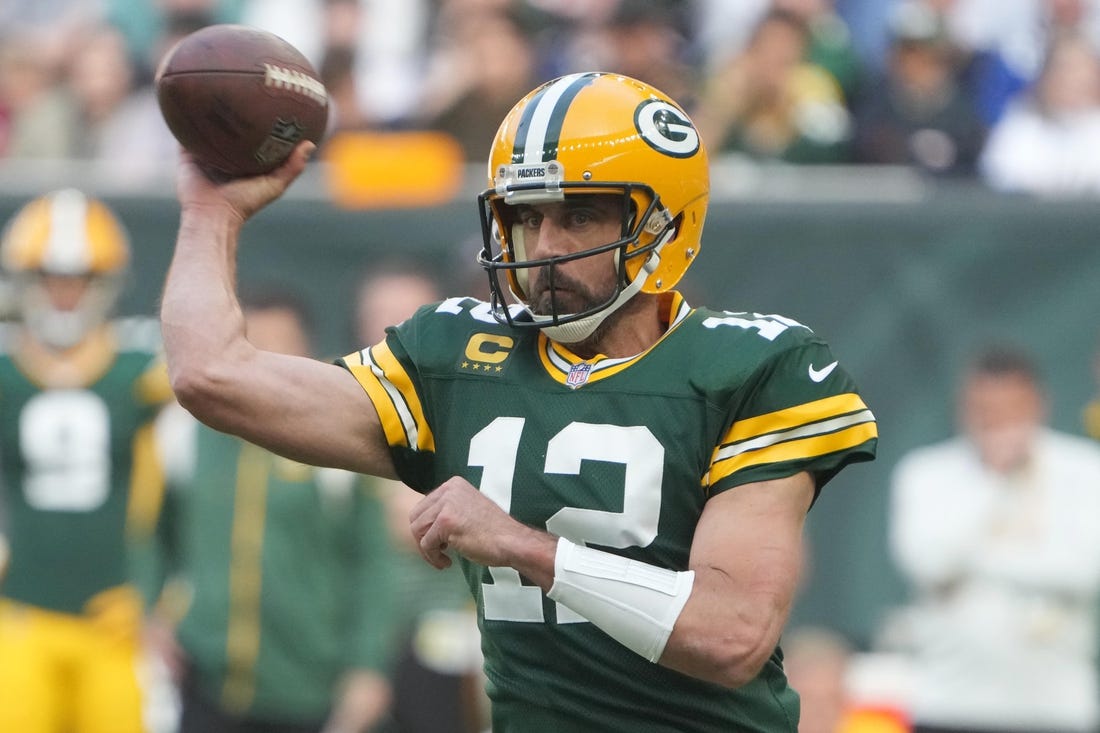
x: 998, y: 531
x: 1048, y: 141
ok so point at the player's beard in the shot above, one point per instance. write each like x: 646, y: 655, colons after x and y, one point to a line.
x: 568, y: 295
x: 571, y: 296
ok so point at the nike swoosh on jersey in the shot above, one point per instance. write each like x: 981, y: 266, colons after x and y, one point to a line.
x: 817, y: 375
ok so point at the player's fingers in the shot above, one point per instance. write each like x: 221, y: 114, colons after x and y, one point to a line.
x: 279, y: 180
x: 295, y: 162
x: 433, y: 547
x: 419, y: 514
x: 430, y: 503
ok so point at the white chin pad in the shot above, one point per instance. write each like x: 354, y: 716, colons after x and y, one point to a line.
x: 574, y: 331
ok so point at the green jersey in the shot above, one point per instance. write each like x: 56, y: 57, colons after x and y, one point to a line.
x: 68, y: 461
x: 621, y: 455
x: 286, y: 568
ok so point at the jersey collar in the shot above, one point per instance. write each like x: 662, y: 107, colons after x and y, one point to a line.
x: 568, y: 369
x: 79, y: 366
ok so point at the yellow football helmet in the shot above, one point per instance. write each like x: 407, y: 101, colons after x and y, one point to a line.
x: 596, y: 133
x: 64, y: 234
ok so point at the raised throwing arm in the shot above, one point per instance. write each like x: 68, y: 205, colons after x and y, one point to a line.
x: 298, y: 407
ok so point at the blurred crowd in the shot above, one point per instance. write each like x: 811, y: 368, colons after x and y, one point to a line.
x: 1003, y: 91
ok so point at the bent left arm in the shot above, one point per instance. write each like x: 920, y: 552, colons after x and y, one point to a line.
x: 746, y: 558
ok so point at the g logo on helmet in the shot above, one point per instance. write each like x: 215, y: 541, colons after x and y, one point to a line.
x: 666, y: 129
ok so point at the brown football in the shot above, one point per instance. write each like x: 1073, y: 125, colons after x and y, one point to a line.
x: 240, y: 98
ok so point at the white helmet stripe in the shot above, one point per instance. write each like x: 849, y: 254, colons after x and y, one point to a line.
x: 68, y: 250
x: 546, y: 120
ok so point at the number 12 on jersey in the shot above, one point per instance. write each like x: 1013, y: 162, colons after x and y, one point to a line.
x: 495, y: 448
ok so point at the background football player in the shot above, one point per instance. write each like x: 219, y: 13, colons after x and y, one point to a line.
x: 278, y: 612
x: 77, y: 392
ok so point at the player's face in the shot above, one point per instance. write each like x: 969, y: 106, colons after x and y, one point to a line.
x: 65, y: 291
x: 562, y: 228
x: 1001, y: 414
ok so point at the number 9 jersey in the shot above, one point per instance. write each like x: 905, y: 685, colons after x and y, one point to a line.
x: 68, y: 461
x: 619, y: 454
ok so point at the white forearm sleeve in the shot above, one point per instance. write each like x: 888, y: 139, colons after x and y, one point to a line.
x: 634, y: 603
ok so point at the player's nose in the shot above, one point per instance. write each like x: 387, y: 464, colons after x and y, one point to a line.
x: 552, y: 240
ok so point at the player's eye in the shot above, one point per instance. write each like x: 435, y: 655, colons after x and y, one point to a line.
x: 529, y: 219
x: 581, y: 217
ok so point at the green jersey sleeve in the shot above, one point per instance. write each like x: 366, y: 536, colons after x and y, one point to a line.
x: 799, y: 410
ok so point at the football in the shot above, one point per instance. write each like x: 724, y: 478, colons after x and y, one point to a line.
x: 239, y: 98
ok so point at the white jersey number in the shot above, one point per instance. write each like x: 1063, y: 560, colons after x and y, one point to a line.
x: 767, y: 326
x: 495, y: 448
x: 65, y: 437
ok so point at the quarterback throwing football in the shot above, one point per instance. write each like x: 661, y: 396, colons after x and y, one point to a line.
x: 622, y: 478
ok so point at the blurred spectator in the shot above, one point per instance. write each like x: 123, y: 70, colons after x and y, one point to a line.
x: 341, y: 22
x: 1048, y: 142
x: 52, y: 25
x: 722, y: 29
x: 568, y: 36
x: 337, y: 72
x: 831, y: 45
x: 285, y: 575
x: 998, y: 530
x: 643, y: 39
x: 391, y: 56
x: 346, y: 26
x: 1007, y: 41
x: 144, y: 24
x: 120, y: 124
x: 918, y: 114
x: 301, y: 23
x: 101, y: 78
x: 816, y: 662
x: 37, y: 117
x: 174, y: 26
x: 439, y: 644
x: 831, y: 679
x: 769, y: 103
x: 482, y: 63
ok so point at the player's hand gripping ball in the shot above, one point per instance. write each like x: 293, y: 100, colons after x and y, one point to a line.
x: 240, y: 99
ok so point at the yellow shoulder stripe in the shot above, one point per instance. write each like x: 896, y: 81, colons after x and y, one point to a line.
x: 798, y: 448
x: 391, y: 390
x: 793, y: 417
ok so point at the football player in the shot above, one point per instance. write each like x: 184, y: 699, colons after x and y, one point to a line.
x: 285, y: 570
x: 622, y: 478
x: 77, y: 393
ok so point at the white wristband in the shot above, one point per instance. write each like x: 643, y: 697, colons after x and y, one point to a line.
x: 634, y: 603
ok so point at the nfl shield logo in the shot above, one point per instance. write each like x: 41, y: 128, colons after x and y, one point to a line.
x: 578, y: 374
